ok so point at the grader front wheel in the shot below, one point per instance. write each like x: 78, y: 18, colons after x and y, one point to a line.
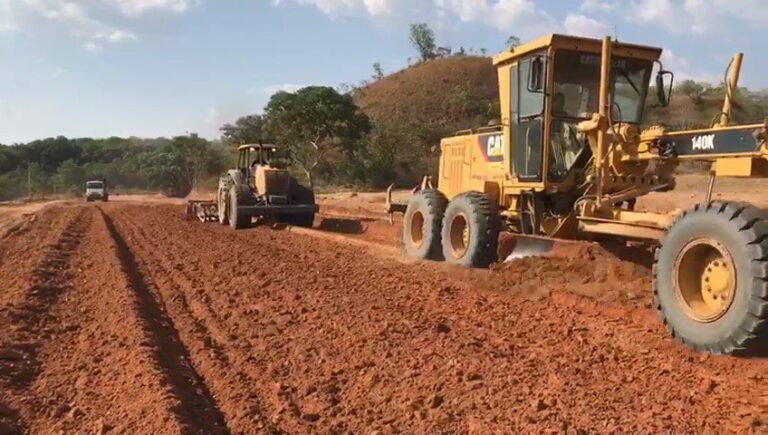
x: 471, y: 229
x: 711, y: 278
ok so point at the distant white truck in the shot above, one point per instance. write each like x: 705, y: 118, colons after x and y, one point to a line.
x: 96, y: 190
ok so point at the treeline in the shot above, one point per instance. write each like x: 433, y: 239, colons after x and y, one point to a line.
x: 699, y: 104
x: 61, y: 165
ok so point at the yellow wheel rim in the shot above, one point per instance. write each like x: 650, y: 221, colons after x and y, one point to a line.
x: 417, y: 228
x: 460, y: 234
x: 705, y: 280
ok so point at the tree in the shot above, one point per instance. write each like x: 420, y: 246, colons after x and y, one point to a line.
x: 378, y: 72
x: 191, y: 156
x: 513, y: 41
x: 423, y: 39
x: 694, y: 90
x: 314, y: 121
x: 69, y: 177
x: 247, y: 129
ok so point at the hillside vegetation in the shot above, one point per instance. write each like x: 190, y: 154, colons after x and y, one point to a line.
x: 446, y: 95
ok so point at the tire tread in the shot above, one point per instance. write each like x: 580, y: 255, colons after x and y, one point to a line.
x: 751, y: 336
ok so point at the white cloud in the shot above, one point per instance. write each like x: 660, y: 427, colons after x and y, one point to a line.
x: 598, y: 5
x: 75, y: 18
x: 519, y: 16
x: 699, y: 16
x: 119, y: 36
x: 581, y: 25
x: 510, y: 15
x: 7, y: 17
x: 269, y: 90
x: 335, y: 8
x: 133, y: 7
x: 92, y: 46
x: 683, y: 70
x: 87, y: 20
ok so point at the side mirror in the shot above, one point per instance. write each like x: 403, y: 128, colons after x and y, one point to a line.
x: 536, y: 75
x: 664, y: 90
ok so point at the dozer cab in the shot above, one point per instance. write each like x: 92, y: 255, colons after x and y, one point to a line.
x: 257, y: 188
x: 569, y: 160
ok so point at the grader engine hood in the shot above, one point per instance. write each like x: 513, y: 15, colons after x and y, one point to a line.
x: 273, y: 183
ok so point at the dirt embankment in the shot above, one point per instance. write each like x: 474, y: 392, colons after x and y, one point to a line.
x: 125, y: 318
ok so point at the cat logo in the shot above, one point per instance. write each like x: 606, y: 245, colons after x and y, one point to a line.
x: 495, y: 147
x: 704, y: 143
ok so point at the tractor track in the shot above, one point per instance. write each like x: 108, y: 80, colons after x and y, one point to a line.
x: 203, y: 328
x: 162, y: 325
x: 25, y: 318
x: 198, y: 408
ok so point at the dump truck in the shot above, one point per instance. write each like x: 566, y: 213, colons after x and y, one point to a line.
x: 96, y: 190
x: 569, y: 159
x: 257, y: 188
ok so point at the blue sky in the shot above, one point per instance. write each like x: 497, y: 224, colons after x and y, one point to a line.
x: 167, y: 67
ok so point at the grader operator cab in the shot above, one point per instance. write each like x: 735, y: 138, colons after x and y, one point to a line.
x: 258, y: 188
x: 569, y: 161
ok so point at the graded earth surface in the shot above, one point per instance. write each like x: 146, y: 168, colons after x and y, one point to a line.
x: 123, y: 317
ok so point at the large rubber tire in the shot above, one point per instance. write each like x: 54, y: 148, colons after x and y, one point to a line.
x: 421, y: 225
x: 222, y: 207
x: 471, y: 227
x: 222, y: 199
x: 238, y: 220
x: 742, y: 232
x: 300, y: 195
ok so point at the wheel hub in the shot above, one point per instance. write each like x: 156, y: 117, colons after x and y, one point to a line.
x: 705, y: 280
x: 460, y: 235
x: 418, y: 224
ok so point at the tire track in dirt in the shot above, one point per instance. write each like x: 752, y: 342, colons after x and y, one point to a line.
x: 230, y: 374
x: 19, y: 346
x: 198, y: 408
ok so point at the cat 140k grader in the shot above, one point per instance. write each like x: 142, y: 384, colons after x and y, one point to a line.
x: 569, y: 161
x: 257, y: 188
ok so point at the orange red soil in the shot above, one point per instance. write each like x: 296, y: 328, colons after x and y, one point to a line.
x: 125, y: 318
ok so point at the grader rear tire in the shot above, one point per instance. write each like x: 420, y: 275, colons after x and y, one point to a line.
x: 711, y: 279
x: 421, y: 225
x: 471, y: 229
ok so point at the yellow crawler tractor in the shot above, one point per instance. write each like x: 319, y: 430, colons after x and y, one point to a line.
x: 569, y: 160
x: 257, y: 188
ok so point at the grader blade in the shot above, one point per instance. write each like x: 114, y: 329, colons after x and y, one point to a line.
x: 205, y: 211
x: 523, y: 246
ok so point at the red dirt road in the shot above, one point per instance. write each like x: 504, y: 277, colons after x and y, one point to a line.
x: 124, y: 318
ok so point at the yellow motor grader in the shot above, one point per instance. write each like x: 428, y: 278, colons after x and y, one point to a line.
x: 569, y: 160
x: 258, y: 188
